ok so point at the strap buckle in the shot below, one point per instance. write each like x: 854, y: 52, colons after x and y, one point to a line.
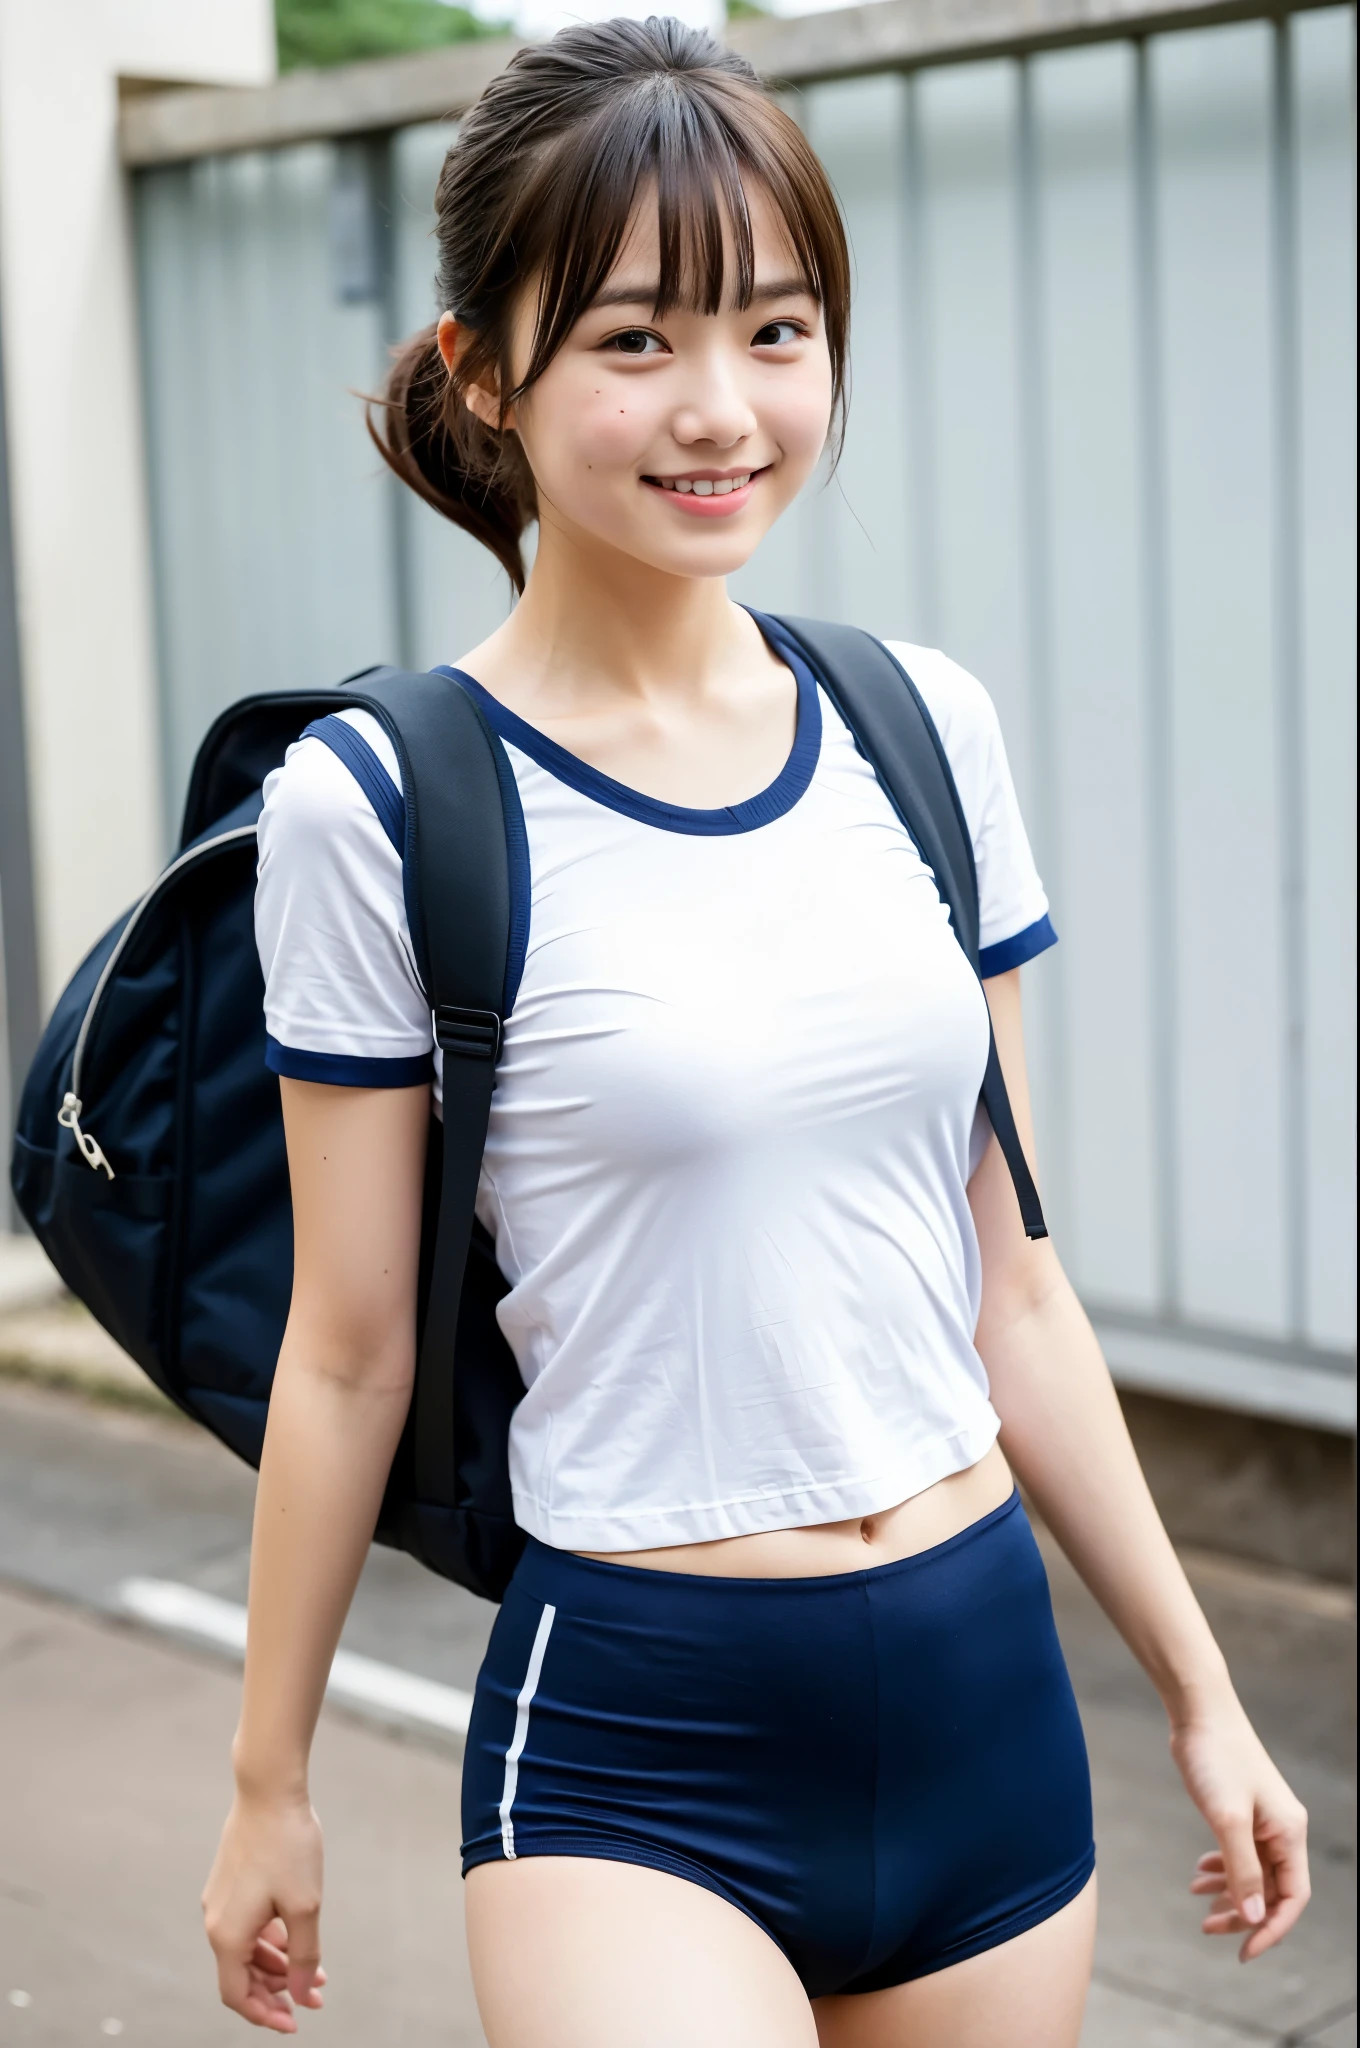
x: 468, y: 1034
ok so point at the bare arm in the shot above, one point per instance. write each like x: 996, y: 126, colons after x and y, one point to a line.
x: 1064, y: 1434
x: 340, y: 1398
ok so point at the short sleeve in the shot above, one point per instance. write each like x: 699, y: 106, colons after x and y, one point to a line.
x: 343, y: 999
x: 1013, y: 907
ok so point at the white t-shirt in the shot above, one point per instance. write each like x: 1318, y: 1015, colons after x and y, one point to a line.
x: 735, y: 1112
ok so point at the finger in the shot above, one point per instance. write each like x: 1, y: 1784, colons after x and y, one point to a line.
x: 276, y: 1976
x: 244, y: 1994
x: 1274, y: 1930
x: 311, y: 1997
x: 279, y: 2019
x: 304, y: 1951
x: 233, y: 1984
x: 1284, y: 1851
x: 268, y: 2003
x: 236, y: 1952
x: 1212, y: 1859
x: 270, y: 1954
x: 1291, y: 1892
x: 1242, y: 1875
x: 268, y: 2008
x: 302, y: 1986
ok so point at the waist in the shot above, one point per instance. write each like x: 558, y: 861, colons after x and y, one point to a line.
x: 826, y: 1549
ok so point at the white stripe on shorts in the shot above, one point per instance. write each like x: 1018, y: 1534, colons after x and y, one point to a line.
x: 521, y: 1734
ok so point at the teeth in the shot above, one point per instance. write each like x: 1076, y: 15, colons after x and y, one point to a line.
x: 704, y: 487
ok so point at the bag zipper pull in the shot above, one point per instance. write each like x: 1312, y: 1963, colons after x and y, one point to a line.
x: 68, y: 1116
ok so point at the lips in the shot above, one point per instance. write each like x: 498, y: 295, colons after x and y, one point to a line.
x: 706, y: 495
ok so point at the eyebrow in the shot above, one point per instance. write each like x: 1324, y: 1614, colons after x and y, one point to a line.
x: 647, y: 295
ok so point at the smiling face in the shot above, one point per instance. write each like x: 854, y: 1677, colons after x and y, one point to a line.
x: 677, y: 438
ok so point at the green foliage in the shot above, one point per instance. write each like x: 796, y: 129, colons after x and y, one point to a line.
x: 340, y: 31
x: 746, y: 10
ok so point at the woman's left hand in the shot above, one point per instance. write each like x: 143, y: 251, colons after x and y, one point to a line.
x: 1257, y: 1877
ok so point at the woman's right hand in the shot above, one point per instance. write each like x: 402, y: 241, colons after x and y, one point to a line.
x: 262, y: 1911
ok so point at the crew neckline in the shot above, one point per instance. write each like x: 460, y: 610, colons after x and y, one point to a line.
x: 762, y: 809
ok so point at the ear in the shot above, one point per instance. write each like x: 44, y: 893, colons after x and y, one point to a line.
x: 481, y: 399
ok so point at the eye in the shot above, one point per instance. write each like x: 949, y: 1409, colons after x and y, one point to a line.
x: 778, y: 334
x: 636, y: 341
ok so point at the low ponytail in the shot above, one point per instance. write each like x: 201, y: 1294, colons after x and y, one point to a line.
x: 424, y: 431
x: 539, y: 191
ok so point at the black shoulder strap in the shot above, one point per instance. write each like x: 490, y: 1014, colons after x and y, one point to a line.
x: 896, y: 733
x: 460, y: 911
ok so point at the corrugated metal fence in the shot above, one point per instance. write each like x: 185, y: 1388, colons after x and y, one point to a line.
x: 1101, y: 448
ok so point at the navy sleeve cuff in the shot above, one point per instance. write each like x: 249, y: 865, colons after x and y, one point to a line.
x: 1007, y: 953
x: 346, y: 1070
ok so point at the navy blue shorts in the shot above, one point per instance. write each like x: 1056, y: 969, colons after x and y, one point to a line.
x: 884, y: 1769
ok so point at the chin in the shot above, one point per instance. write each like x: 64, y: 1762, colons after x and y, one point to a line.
x: 707, y: 555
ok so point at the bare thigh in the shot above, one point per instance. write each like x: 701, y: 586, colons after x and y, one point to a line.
x: 1028, y: 1993
x: 571, y: 1952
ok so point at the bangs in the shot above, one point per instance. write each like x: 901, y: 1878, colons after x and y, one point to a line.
x: 696, y: 142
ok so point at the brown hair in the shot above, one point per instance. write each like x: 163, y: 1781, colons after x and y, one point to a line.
x: 541, y: 184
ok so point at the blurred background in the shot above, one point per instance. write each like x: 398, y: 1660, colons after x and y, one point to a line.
x: 1101, y: 449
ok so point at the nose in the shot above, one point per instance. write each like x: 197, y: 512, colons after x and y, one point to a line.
x: 716, y: 409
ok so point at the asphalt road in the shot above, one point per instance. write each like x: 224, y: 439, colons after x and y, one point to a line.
x: 112, y: 1770
x: 90, y: 1496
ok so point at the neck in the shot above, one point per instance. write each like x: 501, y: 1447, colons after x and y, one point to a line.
x: 594, y: 621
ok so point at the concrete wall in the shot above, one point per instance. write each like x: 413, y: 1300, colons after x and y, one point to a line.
x: 75, y: 441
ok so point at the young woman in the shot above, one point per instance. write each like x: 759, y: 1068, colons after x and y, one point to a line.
x: 773, y: 1744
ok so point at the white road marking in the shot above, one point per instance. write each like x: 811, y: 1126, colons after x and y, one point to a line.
x: 354, y: 1681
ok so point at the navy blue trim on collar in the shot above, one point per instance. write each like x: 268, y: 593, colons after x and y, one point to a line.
x: 1036, y: 938
x: 771, y: 803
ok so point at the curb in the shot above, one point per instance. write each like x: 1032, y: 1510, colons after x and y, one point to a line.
x: 54, y: 1342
